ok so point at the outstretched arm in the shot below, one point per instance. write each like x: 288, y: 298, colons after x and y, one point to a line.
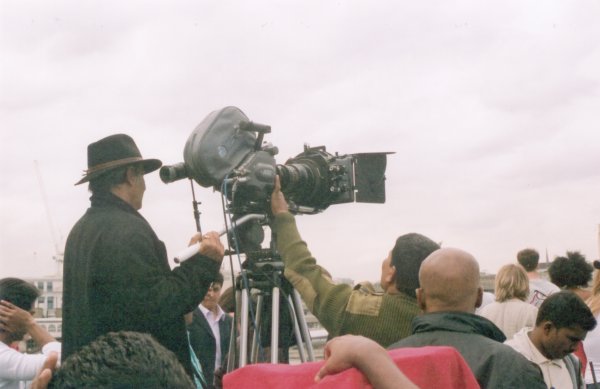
x: 366, y: 355
x: 323, y: 297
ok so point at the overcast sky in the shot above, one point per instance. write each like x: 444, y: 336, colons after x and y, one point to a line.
x: 491, y: 108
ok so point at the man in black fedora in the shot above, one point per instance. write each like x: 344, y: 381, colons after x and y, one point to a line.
x: 116, y: 273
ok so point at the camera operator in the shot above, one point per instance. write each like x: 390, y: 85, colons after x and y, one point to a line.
x: 116, y: 273
x: 384, y: 317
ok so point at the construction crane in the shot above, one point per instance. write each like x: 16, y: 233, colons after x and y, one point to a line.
x: 58, y: 252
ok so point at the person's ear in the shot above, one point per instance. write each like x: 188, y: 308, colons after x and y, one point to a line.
x: 421, y: 299
x: 393, y: 275
x: 548, y: 326
x: 389, y: 276
x: 130, y: 175
x: 479, y: 300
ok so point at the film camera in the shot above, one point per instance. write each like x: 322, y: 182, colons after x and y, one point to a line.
x: 226, y: 152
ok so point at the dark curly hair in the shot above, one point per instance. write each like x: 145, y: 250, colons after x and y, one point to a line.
x: 571, y: 271
x: 122, y: 360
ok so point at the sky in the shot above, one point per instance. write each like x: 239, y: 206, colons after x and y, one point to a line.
x: 491, y: 109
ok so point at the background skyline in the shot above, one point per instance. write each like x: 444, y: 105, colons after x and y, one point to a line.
x: 491, y: 109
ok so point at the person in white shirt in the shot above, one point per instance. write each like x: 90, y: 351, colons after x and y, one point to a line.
x: 486, y: 299
x: 210, y: 332
x: 591, y: 344
x: 510, y: 312
x: 16, y: 369
x: 539, y: 288
x: 562, y: 322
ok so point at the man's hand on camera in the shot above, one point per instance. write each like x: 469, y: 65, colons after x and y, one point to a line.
x: 210, y: 245
x: 278, y: 203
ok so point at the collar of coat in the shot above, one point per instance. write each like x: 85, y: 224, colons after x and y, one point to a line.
x: 104, y: 199
x: 457, y: 322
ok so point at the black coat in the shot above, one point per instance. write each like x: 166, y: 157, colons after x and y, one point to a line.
x: 479, y: 341
x: 204, y: 344
x: 117, y: 277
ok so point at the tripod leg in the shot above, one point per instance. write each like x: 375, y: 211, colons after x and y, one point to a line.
x: 275, y: 326
x: 244, y: 324
x: 303, y: 326
x: 257, y: 324
x: 297, y: 334
x: 232, y: 342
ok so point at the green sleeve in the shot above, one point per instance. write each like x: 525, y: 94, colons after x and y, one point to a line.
x: 325, y: 299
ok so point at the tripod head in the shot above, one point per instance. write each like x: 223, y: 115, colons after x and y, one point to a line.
x: 264, y: 267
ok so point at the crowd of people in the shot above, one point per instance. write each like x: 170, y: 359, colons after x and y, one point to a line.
x: 131, y: 321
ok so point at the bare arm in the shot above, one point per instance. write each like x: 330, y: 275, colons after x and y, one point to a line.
x: 42, y: 379
x: 366, y: 355
x: 15, y: 319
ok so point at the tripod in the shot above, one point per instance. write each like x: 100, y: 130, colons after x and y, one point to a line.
x: 264, y: 274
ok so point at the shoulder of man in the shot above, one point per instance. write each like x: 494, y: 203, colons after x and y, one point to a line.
x: 364, y: 300
x: 366, y: 287
x: 514, y: 370
x: 519, y: 341
x: 573, y: 365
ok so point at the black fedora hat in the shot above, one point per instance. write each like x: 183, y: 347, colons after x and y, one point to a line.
x: 112, y: 152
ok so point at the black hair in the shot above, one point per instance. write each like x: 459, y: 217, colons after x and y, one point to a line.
x: 408, y: 253
x: 571, y: 271
x: 19, y: 292
x: 566, y: 309
x: 227, y: 300
x: 219, y: 279
x: 529, y: 259
x: 123, y: 360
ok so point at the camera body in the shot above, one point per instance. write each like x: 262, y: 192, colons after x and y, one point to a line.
x: 226, y: 152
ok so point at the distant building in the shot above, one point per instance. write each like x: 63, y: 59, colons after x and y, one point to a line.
x: 543, y: 270
x: 487, y: 281
x: 48, y: 308
x: 49, y: 304
x: 348, y: 281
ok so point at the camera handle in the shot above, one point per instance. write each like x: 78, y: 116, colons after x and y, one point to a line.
x: 193, y: 249
x: 195, y: 206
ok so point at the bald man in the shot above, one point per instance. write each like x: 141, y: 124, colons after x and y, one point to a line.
x: 448, y: 295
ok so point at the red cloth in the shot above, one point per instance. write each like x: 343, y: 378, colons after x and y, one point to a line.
x: 427, y: 367
x: 580, y: 353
